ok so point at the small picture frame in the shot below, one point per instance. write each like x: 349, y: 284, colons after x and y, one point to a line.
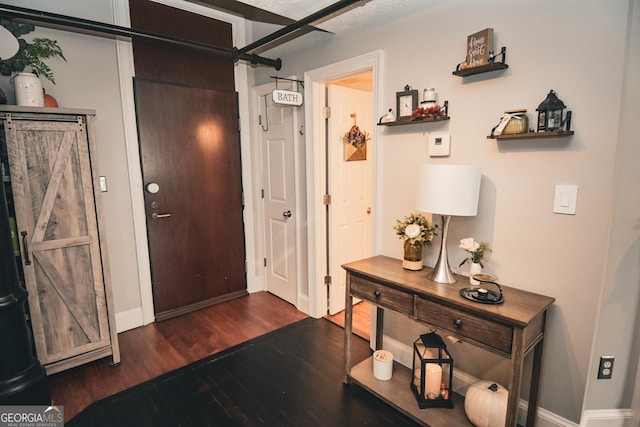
x: 406, y: 103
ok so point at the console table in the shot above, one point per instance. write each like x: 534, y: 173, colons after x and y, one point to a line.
x: 512, y: 330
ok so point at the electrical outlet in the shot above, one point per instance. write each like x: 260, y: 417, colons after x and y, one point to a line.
x: 605, y: 370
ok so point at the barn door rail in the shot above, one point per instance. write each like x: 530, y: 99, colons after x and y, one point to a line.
x: 85, y: 26
x: 323, y: 13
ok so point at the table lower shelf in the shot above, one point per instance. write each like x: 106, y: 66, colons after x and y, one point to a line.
x: 396, y: 392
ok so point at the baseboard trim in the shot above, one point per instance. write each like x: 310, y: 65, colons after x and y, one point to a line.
x: 130, y: 319
x: 607, y: 418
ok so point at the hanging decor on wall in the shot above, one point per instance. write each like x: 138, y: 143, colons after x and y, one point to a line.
x: 355, y: 142
x: 287, y: 97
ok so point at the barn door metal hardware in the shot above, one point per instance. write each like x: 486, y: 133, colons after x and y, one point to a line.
x: 85, y: 26
x: 321, y: 14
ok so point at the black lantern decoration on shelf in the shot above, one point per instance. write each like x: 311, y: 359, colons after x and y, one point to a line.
x: 432, y: 372
x: 551, y: 115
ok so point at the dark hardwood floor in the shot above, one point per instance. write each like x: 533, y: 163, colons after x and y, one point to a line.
x: 161, y: 347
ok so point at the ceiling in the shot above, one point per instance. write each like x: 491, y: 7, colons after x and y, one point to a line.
x: 284, y: 12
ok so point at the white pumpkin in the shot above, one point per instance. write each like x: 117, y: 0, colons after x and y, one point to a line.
x: 486, y: 404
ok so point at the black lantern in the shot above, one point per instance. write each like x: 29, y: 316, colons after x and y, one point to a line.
x: 551, y: 116
x: 432, y: 372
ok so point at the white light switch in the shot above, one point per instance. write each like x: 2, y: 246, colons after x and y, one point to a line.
x: 103, y: 184
x: 565, y: 199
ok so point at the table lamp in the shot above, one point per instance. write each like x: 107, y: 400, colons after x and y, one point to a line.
x: 447, y: 190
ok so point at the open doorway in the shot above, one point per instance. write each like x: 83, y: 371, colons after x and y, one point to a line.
x: 326, y: 161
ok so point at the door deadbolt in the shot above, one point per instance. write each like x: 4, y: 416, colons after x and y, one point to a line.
x: 152, y: 188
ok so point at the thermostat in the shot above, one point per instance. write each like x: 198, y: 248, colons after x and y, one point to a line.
x: 439, y: 144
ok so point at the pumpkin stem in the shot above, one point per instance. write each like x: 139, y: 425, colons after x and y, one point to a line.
x: 493, y: 387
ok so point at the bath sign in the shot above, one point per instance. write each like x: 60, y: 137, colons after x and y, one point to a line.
x: 479, y: 46
x: 286, y: 97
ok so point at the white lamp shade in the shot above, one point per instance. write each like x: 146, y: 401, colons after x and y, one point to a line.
x: 448, y: 189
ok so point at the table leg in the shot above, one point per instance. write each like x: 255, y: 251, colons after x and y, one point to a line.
x: 379, y: 327
x: 515, y: 377
x: 348, y: 328
x: 535, y: 381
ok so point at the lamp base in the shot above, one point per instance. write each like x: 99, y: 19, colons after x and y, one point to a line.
x: 442, y: 272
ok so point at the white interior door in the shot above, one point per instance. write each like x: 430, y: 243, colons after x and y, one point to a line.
x: 277, y: 147
x: 350, y: 184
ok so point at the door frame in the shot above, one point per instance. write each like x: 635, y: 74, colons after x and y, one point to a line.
x: 143, y: 314
x: 314, y: 82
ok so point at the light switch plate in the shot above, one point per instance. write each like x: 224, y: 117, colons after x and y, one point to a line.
x: 439, y: 144
x: 565, y: 199
x: 103, y: 184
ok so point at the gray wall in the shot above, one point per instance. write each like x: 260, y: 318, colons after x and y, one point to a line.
x: 587, y: 261
x: 585, y: 50
x: 89, y: 79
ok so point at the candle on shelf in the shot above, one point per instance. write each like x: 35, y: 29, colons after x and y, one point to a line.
x: 433, y: 380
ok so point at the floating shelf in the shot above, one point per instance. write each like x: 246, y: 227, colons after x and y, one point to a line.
x: 533, y: 135
x: 414, y: 122
x: 480, y: 69
x: 494, y: 66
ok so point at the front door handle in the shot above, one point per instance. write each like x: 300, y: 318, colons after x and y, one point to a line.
x: 158, y: 216
x: 286, y: 214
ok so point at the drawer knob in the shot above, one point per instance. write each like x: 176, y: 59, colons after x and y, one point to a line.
x: 457, y: 323
x: 376, y: 294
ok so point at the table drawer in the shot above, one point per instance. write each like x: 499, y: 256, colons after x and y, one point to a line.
x: 485, y: 332
x: 382, y: 296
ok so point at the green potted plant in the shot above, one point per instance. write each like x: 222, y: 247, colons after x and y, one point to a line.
x: 29, y: 62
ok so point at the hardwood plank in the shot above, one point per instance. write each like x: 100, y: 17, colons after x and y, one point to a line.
x: 290, y: 377
x: 361, y: 319
x: 161, y: 347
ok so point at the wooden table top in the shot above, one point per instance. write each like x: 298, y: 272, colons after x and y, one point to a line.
x: 518, y: 309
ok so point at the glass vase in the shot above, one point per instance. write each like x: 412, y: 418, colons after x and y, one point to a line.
x: 412, y: 259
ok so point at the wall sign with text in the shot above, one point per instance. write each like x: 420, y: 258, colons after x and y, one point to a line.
x: 286, y: 97
x: 479, y: 46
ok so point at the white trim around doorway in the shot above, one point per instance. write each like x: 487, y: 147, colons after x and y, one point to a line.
x: 315, y: 81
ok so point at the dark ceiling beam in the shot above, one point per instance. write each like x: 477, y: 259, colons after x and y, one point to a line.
x: 323, y: 13
x: 250, y: 12
x: 70, y: 23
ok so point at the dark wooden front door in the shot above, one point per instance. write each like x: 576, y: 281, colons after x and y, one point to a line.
x: 190, y: 150
x: 188, y: 126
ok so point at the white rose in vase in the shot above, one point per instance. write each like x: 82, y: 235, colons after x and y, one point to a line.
x: 469, y: 244
x: 412, y: 231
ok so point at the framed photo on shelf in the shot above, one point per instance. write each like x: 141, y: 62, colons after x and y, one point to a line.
x: 406, y: 103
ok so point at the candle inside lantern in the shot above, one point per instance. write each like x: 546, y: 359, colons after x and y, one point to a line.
x: 433, y: 380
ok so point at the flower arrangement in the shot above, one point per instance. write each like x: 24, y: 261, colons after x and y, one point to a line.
x: 356, y: 137
x: 416, y: 229
x: 477, y: 251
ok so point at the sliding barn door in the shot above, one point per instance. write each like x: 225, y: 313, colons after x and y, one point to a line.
x: 57, y: 224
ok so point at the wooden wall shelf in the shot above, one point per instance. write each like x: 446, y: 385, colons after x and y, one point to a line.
x: 494, y: 66
x: 414, y: 122
x: 480, y: 69
x: 533, y: 135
